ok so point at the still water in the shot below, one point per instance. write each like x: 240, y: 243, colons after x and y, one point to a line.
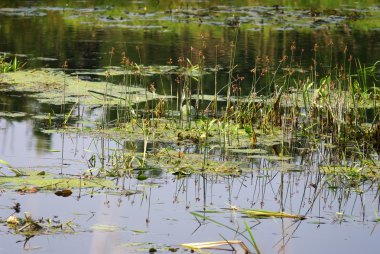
x: 158, y: 215
x: 155, y: 213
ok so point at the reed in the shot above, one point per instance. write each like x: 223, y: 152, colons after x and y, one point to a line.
x: 326, y: 104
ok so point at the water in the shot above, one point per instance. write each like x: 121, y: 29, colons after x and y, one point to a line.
x: 160, y: 211
x: 158, y: 215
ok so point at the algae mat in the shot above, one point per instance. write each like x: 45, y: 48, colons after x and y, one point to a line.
x: 56, y: 87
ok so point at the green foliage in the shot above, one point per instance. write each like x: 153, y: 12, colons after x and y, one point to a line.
x: 10, y: 66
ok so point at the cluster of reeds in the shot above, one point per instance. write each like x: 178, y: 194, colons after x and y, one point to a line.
x: 312, y: 101
x: 330, y: 99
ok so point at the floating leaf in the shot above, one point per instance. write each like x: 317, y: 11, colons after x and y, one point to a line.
x: 270, y: 214
x: 214, y: 245
x: 141, y: 177
x: 102, y: 227
x: 270, y: 157
x: 138, y: 231
x: 5, y: 163
x: 63, y: 193
x: 248, y: 151
x: 24, y: 184
x: 28, y: 190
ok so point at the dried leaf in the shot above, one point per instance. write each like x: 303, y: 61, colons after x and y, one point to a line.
x: 28, y: 190
x: 214, y: 245
x: 13, y: 220
x: 63, y: 193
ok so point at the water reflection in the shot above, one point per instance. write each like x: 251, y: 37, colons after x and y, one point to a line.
x: 317, y: 196
x: 159, y: 213
x: 86, y: 45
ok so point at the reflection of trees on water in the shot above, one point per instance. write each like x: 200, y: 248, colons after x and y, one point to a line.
x: 86, y: 46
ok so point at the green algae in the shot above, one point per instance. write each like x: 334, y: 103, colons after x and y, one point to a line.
x: 287, y: 17
x: 270, y: 157
x: 365, y: 172
x: 262, y: 214
x: 30, y: 227
x: 41, y: 180
x: 55, y: 87
x: 13, y: 114
x: 248, y: 151
x: 134, y: 70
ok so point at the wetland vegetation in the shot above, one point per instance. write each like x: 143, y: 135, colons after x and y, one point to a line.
x: 181, y: 126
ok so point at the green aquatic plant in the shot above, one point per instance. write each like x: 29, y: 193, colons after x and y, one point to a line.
x: 29, y: 226
x: 327, y: 105
x: 249, y: 238
x: 257, y: 213
x: 27, y: 181
x: 10, y: 66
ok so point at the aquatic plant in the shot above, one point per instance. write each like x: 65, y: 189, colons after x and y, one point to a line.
x: 250, y: 237
x: 29, y: 227
x: 10, y: 66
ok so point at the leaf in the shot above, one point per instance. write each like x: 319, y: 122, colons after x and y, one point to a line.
x: 5, y: 163
x: 102, y: 227
x: 63, y: 193
x: 28, y: 190
x: 18, y: 172
x: 248, y: 130
x: 141, y: 177
x: 270, y: 214
x: 138, y: 231
x: 214, y: 245
x: 253, y: 241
